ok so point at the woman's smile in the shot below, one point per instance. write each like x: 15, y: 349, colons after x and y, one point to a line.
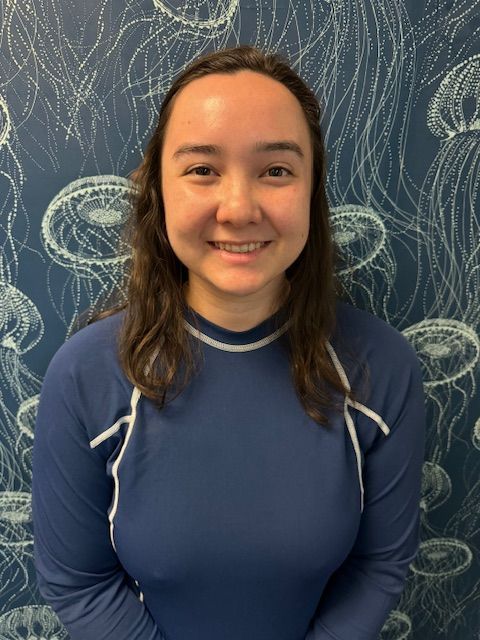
x: 239, y: 247
x: 240, y: 253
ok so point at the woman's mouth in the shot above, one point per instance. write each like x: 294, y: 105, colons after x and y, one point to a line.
x: 247, y: 247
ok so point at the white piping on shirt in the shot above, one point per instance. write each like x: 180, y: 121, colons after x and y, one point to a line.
x: 237, y: 348
x: 130, y: 419
x: 140, y: 595
x: 116, y: 492
x: 136, y: 394
x: 371, y: 414
x: 109, y: 432
x: 348, y: 418
x: 115, y: 427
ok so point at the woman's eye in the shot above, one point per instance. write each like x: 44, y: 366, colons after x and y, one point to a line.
x: 278, y: 169
x: 203, y: 169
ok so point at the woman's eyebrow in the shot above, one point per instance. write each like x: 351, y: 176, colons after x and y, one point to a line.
x: 260, y: 147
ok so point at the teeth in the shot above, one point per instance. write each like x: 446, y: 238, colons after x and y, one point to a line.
x: 242, y: 248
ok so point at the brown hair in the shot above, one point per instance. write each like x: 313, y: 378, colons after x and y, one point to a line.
x: 153, y: 323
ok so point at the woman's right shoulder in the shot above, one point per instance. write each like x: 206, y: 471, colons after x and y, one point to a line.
x: 84, y: 383
x: 91, y: 350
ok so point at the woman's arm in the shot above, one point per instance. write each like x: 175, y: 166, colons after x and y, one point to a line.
x: 79, y: 574
x: 366, y: 587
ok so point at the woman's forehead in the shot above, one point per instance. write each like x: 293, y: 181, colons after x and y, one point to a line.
x: 232, y: 102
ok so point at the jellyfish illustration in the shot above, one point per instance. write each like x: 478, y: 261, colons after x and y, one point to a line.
x: 449, y: 203
x: 198, y: 14
x: 153, y: 48
x: 17, y: 573
x: 22, y: 29
x: 436, y: 486
x: 367, y: 268
x: 157, y: 45
x: 17, y: 55
x: 443, y: 25
x: 34, y: 622
x: 21, y: 328
x: 13, y: 227
x: 466, y: 519
x: 25, y: 428
x: 448, y: 349
x: 367, y: 102
x: 455, y: 108
x: 82, y: 232
x: 449, y: 352
x: 15, y: 516
x: 476, y: 434
x: 397, y: 627
x: 442, y: 558
x: 275, y: 27
x: 57, y: 71
x: 437, y: 591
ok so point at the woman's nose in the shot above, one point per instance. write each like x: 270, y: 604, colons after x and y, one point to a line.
x: 238, y: 204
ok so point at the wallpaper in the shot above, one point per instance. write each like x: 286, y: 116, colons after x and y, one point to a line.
x: 81, y: 82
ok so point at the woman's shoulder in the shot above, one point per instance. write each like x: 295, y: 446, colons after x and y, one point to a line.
x: 371, y: 338
x: 84, y: 385
x: 90, y: 350
x: 100, y: 331
x: 381, y: 366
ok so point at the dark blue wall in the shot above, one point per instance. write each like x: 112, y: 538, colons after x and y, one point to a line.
x: 81, y: 82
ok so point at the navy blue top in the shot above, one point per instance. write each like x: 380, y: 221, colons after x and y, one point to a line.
x: 229, y: 514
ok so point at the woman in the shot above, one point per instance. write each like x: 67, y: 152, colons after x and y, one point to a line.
x: 235, y: 454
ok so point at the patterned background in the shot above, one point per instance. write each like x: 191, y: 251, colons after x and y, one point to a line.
x: 81, y: 82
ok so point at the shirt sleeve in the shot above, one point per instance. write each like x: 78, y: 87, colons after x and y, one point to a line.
x: 78, y: 571
x: 366, y: 587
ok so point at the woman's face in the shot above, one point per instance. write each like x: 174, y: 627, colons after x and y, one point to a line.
x: 235, y: 190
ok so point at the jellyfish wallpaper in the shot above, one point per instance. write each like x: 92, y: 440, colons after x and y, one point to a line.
x: 81, y: 83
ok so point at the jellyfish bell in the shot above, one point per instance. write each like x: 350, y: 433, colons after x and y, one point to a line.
x: 398, y: 626
x: 15, y: 516
x: 32, y: 622
x: 455, y: 106
x: 436, y: 486
x: 447, y: 349
x: 198, y: 14
x: 442, y: 558
x: 21, y: 326
x: 439, y: 587
x: 82, y: 226
x: 83, y: 231
x: 360, y: 235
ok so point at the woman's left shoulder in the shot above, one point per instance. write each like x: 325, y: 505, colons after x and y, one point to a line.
x: 381, y: 365
x: 371, y: 338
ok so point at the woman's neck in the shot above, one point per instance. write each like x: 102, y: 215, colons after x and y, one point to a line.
x: 235, y: 313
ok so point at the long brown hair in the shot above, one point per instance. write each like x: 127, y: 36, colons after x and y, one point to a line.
x: 153, y: 328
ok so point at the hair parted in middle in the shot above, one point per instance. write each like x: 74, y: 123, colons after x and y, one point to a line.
x: 153, y: 325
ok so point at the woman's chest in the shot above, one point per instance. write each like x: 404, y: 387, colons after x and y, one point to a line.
x: 253, y: 489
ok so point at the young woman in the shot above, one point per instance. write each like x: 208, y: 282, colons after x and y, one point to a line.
x: 234, y: 454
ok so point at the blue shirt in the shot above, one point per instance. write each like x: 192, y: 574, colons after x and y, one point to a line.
x: 230, y: 514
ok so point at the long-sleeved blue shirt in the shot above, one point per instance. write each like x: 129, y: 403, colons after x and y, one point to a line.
x: 229, y: 514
